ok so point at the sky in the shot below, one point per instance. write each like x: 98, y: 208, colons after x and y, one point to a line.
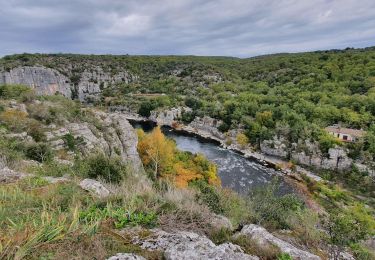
x: 240, y: 28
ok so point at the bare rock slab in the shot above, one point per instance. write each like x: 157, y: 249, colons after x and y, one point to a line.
x: 263, y: 237
x: 94, y: 187
x: 183, y: 245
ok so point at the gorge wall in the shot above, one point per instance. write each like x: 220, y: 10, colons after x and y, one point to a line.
x: 85, y: 85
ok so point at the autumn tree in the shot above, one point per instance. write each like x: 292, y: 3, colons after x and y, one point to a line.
x: 156, y: 151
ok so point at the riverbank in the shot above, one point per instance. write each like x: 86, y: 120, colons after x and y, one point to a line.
x: 276, y: 163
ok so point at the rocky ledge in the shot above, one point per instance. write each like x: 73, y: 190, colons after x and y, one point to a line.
x: 190, y: 246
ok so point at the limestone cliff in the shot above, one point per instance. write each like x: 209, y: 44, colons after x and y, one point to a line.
x: 85, y: 85
x: 44, y: 81
x: 111, y: 134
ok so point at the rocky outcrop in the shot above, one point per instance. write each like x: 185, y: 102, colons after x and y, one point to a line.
x: 263, y: 237
x: 337, y: 158
x: 112, y: 134
x: 275, y: 147
x: 94, y: 187
x: 85, y: 85
x: 126, y: 256
x: 168, y: 117
x: 187, y: 245
x: 206, y: 127
x: 92, y: 81
x: 44, y: 81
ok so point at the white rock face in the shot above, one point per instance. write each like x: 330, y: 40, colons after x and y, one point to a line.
x: 275, y: 147
x: 95, y: 187
x: 264, y: 237
x: 168, y: 117
x: 93, y: 80
x: 116, y: 137
x: 126, y: 256
x: 190, y: 246
x: 337, y: 158
x: 44, y: 81
x: 206, y: 127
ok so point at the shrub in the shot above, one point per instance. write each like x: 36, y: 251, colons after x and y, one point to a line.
x: 14, y: 119
x: 242, y: 139
x: 71, y: 142
x: 145, y: 108
x: 284, y: 256
x: 14, y: 91
x: 101, y: 166
x: 121, y: 217
x: 35, y: 131
x: 40, y: 152
x: 272, y: 210
x: 208, y: 195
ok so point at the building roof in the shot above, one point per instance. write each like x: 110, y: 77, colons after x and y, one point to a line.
x: 342, y: 130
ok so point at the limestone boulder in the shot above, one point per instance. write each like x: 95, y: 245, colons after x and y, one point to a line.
x: 187, y: 245
x: 94, y: 187
x: 263, y: 237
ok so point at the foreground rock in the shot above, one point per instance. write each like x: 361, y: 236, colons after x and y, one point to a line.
x: 263, y: 237
x: 126, y: 256
x: 94, y: 187
x: 7, y: 175
x: 187, y: 245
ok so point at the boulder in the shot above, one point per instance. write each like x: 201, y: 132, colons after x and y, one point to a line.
x: 126, y: 256
x: 187, y: 245
x: 7, y: 175
x: 94, y: 187
x: 218, y: 221
x: 263, y: 237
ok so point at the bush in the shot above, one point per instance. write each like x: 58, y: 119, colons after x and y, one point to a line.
x: 71, y: 142
x: 272, y: 210
x: 35, y: 131
x: 121, y: 217
x: 14, y: 91
x: 15, y: 120
x: 145, y: 108
x: 101, y: 166
x: 40, y: 152
x: 208, y: 195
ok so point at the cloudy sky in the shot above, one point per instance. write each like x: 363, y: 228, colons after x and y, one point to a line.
x: 240, y: 28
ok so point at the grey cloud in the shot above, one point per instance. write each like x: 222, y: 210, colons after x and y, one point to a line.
x: 201, y: 27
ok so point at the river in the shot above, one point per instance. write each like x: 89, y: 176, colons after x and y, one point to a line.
x: 236, y: 172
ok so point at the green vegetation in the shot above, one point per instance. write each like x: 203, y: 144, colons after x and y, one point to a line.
x: 292, y: 96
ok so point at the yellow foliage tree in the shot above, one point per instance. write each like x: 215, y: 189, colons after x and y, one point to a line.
x: 156, y: 151
x: 242, y: 139
x: 160, y: 154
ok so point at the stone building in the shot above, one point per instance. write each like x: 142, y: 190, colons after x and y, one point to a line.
x: 345, y: 134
